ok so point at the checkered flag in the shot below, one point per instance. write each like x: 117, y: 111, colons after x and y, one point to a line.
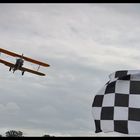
x: 116, y: 107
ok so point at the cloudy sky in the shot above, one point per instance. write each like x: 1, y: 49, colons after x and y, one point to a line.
x: 83, y: 43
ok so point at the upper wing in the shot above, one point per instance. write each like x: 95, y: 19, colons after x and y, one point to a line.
x: 25, y: 58
x: 22, y: 69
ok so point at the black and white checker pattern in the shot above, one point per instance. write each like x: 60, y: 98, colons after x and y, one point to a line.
x: 116, y: 107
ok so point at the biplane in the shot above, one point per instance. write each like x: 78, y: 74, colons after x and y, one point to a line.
x: 20, y: 61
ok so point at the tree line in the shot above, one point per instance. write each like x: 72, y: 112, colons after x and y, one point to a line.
x: 14, y: 133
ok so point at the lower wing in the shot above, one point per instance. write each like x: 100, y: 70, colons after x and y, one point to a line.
x: 31, y: 71
x: 22, y: 69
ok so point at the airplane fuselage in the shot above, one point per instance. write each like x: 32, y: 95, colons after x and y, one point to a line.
x: 18, y: 65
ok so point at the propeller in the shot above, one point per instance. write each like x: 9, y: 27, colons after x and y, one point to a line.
x: 22, y: 55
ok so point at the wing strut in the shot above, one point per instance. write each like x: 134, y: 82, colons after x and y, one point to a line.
x: 38, y: 68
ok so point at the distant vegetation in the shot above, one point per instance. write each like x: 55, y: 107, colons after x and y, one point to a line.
x: 14, y: 133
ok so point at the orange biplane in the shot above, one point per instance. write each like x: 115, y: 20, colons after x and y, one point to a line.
x: 20, y: 61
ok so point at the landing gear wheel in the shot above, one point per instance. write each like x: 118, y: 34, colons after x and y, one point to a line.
x: 23, y: 73
x: 10, y: 69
